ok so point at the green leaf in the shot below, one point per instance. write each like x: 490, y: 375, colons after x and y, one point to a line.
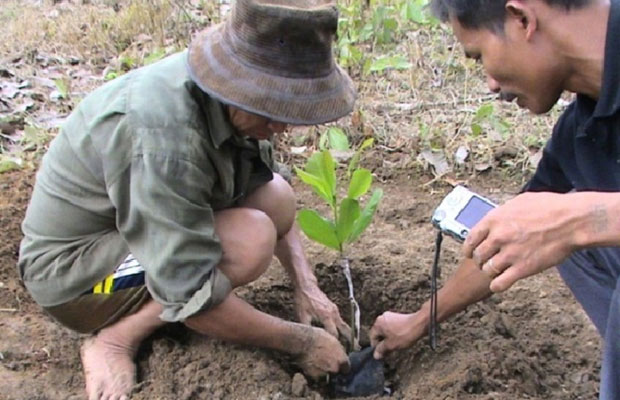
x: 366, y: 216
x: 349, y: 213
x: 318, y: 228
x: 62, y: 87
x: 413, y: 11
x: 329, y: 171
x: 390, y: 24
x: 110, y: 75
x: 360, y: 183
x: 323, y: 141
x: 9, y: 163
x: 337, y: 139
x: 476, y: 129
x: 484, y: 112
x: 366, y: 144
x: 33, y: 138
x: 366, y: 32
x: 366, y: 66
x: 126, y: 62
x: 358, y: 155
x: 322, y: 165
x: 319, y: 185
x: 156, y: 55
x: 356, y: 53
x: 320, y: 173
x: 394, y: 62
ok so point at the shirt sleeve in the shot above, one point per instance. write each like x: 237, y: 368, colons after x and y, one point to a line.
x: 164, y: 215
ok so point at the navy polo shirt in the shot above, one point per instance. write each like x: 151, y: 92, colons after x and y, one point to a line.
x: 584, y: 150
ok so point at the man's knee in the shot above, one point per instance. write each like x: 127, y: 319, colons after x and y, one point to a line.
x: 277, y: 200
x: 248, y: 239
x: 591, y: 275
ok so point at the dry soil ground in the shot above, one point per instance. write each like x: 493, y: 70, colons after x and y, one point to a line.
x: 533, y: 342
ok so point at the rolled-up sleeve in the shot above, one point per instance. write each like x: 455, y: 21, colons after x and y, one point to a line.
x: 164, y: 215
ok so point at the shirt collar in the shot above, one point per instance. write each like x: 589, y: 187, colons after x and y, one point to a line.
x: 220, y: 128
x: 609, y: 100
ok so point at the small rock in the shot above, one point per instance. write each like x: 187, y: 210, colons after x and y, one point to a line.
x: 7, y: 128
x: 504, y: 327
x: 37, y: 96
x: 299, y: 385
x: 505, y: 152
x: 580, y: 377
x: 316, y: 396
x: 56, y: 95
x: 5, y: 73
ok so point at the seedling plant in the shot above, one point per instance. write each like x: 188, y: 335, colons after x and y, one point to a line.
x: 348, y: 218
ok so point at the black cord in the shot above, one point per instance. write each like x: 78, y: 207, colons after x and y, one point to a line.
x: 435, y: 273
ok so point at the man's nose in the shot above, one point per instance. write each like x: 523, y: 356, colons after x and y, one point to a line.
x: 277, y: 127
x: 493, y: 85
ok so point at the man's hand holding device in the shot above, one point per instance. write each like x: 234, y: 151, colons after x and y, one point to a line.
x: 528, y: 234
x: 459, y: 212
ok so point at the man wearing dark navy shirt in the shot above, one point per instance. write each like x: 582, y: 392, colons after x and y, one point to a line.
x: 569, y: 216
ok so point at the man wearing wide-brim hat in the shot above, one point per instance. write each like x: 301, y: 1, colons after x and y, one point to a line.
x: 158, y: 197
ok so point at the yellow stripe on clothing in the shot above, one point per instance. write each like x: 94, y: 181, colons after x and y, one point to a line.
x: 98, y: 288
x: 107, y: 285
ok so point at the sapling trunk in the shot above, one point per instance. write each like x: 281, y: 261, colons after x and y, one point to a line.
x: 355, y: 309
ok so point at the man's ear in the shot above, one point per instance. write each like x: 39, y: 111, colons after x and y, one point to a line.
x: 520, y: 14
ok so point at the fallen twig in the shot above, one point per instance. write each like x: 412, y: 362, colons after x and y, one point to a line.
x: 427, y: 106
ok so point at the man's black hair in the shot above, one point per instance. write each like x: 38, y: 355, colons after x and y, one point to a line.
x: 487, y: 14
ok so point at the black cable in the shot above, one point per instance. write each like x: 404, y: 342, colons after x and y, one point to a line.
x: 435, y: 273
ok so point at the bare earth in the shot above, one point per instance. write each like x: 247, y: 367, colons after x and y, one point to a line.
x: 533, y: 342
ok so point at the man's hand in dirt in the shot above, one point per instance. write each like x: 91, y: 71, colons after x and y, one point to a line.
x: 323, y: 354
x: 392, y: 331
x: 312, y: 304
x: 536, y: 231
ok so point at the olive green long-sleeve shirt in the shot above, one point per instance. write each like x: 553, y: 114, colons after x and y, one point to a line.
x: 140, y: 166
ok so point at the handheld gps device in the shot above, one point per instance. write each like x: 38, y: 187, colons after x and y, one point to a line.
x: 460, y: 211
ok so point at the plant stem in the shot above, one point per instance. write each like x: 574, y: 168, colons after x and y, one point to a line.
x: 355, y: 309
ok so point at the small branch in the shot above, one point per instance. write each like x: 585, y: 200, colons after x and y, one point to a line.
x: 427, y: 106
x: 9, y: 310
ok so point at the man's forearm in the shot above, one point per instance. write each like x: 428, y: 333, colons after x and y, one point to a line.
x: 599, y: 224
x: 236, y: 321
x: 289, y: 250
x: 466, y: 286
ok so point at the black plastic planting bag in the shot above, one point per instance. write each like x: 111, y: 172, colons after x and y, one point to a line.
x: 365, y: 378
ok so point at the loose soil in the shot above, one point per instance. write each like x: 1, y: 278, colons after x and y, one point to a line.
x: 533, y: 342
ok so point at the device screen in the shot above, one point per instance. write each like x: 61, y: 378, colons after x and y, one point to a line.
x: 473, y: 212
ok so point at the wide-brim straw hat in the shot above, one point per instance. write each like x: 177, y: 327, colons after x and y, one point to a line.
x: 274, y: 58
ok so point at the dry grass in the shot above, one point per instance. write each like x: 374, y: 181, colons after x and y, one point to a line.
x: 98, y: 31
x: 433, y: 105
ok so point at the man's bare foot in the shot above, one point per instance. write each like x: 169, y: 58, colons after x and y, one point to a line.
x: 323, y: 353
x: 109, y: 370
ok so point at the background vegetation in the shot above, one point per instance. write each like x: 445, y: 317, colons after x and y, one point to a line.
x: 425, y: 105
